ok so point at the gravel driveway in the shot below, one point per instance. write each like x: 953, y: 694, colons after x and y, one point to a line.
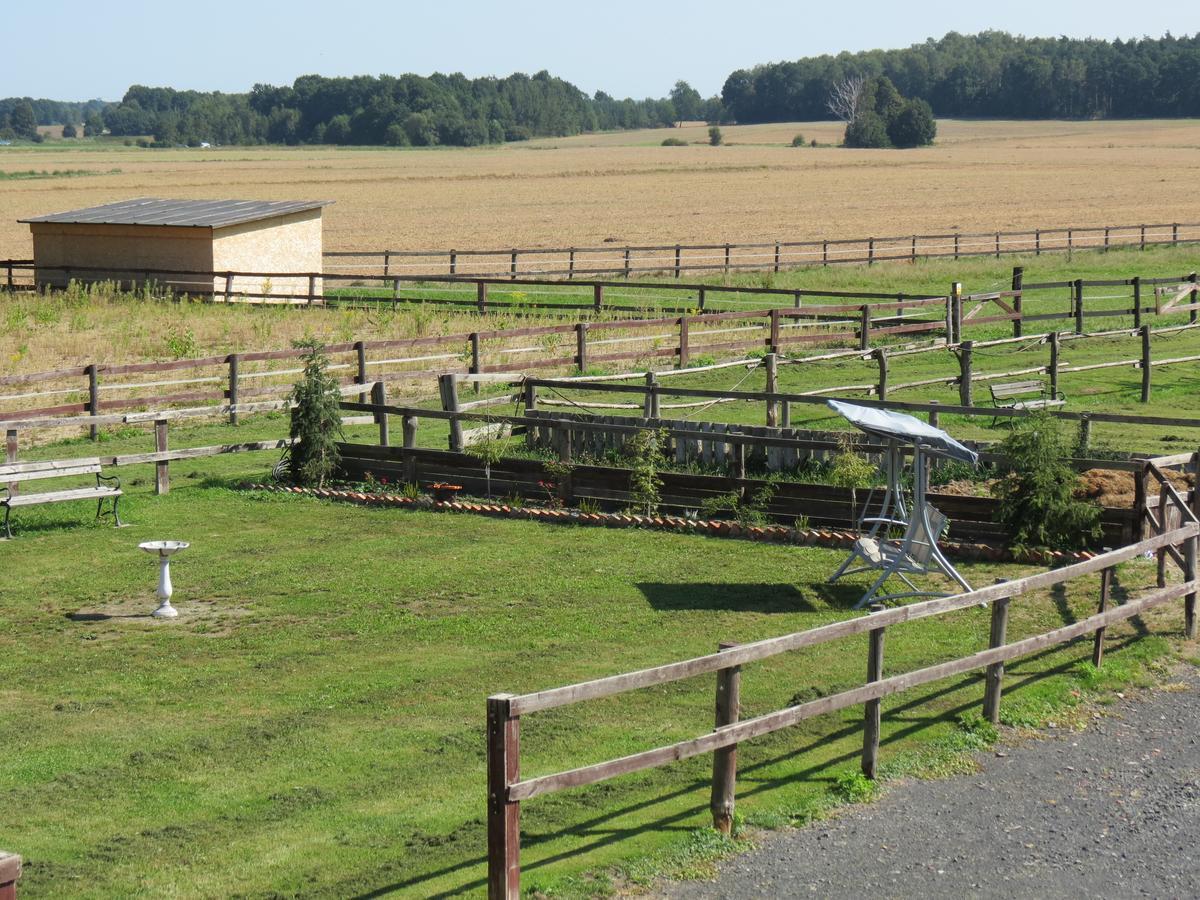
x: 1113, y: 811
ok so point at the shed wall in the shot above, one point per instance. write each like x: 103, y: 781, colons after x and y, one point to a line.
x: 289, y: 243
x: 121, y: 252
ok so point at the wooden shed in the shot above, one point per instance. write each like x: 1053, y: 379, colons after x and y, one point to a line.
x: 169, y: 241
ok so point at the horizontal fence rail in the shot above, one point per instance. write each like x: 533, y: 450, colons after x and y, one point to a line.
x: 677, y: 258
x: 507, y: 787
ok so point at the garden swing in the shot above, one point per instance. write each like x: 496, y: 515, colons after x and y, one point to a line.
x: 916, y: 551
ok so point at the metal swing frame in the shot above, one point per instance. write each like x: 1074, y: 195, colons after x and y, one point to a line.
x: 916, y: 552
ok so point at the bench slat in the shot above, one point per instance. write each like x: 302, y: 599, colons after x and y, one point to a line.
x: 50, y: 468
x: 42, y: 476
x: 1017, y: 388
x: 60, y: 496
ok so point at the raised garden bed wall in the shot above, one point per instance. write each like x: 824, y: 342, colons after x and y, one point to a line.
x: 819, y: 505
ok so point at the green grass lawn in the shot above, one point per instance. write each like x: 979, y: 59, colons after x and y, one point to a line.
x: 312, y: 724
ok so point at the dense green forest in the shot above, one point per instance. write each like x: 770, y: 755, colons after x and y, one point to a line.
x: 993, y: 74
x: 990, y: 75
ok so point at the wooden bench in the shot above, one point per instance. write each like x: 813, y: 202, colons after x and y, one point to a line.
x: 16, y: 473
x: 1025, y: 395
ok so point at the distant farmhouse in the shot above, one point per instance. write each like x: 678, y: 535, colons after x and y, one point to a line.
x: 167, y: 241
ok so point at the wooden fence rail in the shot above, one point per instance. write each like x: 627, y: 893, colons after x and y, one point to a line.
x: 675, y: 258
x: 507, y: 787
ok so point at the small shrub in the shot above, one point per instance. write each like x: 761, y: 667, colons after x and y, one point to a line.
x: 644, y: 451
x: 798, y: 141
x: 1036, y: 490
x: 854, y: 787
x: 316, y: 420
x: 674, y: 142
x: 715, y: 137
x: 410, y: 490
x: 181, y: 344
x: 588, y: 507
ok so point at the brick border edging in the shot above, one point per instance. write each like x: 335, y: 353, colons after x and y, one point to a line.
x: 10, y: 873
x: 809, y: 537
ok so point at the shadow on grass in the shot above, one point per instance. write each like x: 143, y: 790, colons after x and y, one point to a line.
x: 749, y: 783
x: 767, y: 597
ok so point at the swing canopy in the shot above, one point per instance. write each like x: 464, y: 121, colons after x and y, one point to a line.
x: 894, y: 426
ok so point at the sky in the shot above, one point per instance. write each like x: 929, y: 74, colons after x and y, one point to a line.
x: 83, y: 49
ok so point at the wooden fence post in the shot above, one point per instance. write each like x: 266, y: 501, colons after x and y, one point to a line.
x: 627, y: 262
x: 685, y: 351
x: 408, y: 432
x: 700, y: 298
x: 650, y: 405
x: 1098, y: 641
x: 387, y: 263
x: 597, y: 297
x: 162, y: 474
x: 995, y: 672
x: 724, y: 780
x: 872, y: 709
x: 1139, y: 502
x: 739, y: 466
x: 10, y: 456
x: 824, y: 253
x: 1189, y: 574
x: 1037, y: 242
x: 864, y: 327
x: 530, y: 391
x: 1018, y: 281
x: 512, y: 266
x: 727, y: 249
x: 771, y: 362
x: 956, y: 246
x: 881, y: 360
x: 1053, y: 367
x: 1078, y: 305
x: 360, y: 353
x: 448, y: 388
x: 776, y: 270
x: 1143, y: 239
x: 1070, y: 242
x: 453, y: 262
x: 1085, y: 433
x: 956, y: 310
x: 1195, y: 298
x: 481, y: 297
x: 93, y: 402
x: 870, y: 251
x: 1147, y: 365
x: 1175, y: 233
x: 379, y: 398
x: 504, y: 816
x: 965, y: 375
x: 312, y: 289
x: 913, y: 254
x: 678, y: 253
x: 234, y: 365
x: 11, y: 287
x: 581, y: 331
x: 773, y: 336
x: 997, y: 245
x: 571, y: 263
x: 1137, y: 301
x: 476, y: 361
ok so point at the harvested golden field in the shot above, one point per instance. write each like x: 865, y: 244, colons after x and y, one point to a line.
x: 625, y: 186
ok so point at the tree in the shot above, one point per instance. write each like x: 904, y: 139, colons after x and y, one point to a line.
x: 69, y: 131
x: 22, y: 121
x: 715, y: 137
x: 93, y: 125
x: 689, y: 105
x: 316, y: 420
x: 914, y: 126
x: 868, y: 130
x: 844, y: 97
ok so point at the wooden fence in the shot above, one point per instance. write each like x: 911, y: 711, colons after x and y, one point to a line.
x: 239, y: 379
x: 507, y: 786
x: 775, y: 256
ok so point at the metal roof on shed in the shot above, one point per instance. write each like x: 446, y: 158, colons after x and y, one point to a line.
x: 185, y: 213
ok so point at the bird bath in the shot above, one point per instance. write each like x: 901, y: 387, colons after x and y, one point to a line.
x: 164, y: 549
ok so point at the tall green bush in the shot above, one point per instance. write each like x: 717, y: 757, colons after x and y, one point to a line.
x: 1036, y: 490
x: 316, y: 420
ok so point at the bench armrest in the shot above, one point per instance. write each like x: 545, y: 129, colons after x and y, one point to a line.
x: 116, y: 481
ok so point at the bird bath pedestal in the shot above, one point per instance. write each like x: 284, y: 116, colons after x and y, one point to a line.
x: 164, y: 549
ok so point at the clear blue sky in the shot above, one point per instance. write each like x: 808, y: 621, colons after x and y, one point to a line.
x: 80, y: 49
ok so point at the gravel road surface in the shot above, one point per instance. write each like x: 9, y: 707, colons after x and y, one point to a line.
x: 1113, y: 811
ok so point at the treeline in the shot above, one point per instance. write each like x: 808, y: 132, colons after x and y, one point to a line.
x: 989, y: 75
x: 395, y: 111
x: 993, y: 74
x: 20, y: 116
